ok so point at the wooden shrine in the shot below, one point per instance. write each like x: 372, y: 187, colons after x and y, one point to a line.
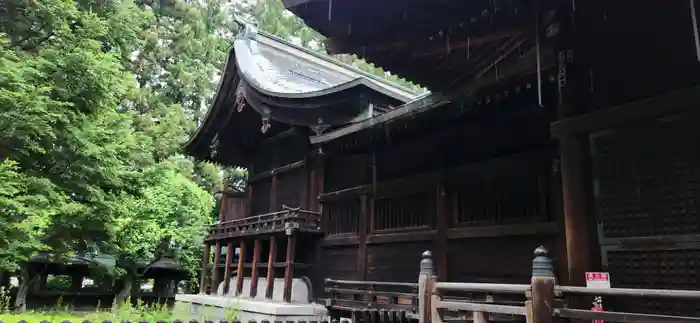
x: 564, y: 124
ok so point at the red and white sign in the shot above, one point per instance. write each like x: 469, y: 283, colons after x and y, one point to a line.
x: 597, y: 280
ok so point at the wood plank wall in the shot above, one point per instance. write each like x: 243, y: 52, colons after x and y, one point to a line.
x: 479, y: 211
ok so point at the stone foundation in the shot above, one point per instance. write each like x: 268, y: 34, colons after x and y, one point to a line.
x: 217, y: 308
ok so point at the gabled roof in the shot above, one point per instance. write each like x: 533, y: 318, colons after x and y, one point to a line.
x: 287, y: 85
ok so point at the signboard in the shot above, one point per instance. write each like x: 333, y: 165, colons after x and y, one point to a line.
x: 597, y: 280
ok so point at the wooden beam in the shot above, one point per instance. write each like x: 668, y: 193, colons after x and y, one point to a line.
x: 673, y: 102
x: 536, y: 228
x: 254, y: 269
x: 289, y: 268
x: 468, y: 43
x: 205, y: 266
x: 501, y: 166
x: 362, y: 237
x: 230, y: 250
x: 215, y: 268
x: 240, y: 273
x: 271, y: 258
x: 278, y: 171
x: 492, y: 231
x: 441, y: 233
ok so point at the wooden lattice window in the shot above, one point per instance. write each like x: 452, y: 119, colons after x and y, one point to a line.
x: 341, y: 216
x: 514, y: 199
x: 414, y: 210
x: 648, y: 179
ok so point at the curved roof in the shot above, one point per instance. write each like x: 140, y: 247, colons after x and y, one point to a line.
x: 285, y: 84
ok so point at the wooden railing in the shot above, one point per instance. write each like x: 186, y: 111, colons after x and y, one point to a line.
x: 538, y: 302
x: 373, y: 298
x: 287, y: 219
x: 542, y: 298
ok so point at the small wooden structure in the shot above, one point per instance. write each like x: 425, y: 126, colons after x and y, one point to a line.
x: 165, y: 274
x: 551, y: 123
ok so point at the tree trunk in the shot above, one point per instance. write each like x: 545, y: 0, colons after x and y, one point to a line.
x: 24, y: 284
x: 125, y: 292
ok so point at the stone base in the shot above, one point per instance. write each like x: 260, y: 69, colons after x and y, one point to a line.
x: 217, y: 308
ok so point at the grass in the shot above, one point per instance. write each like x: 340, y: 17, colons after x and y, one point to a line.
x: 124, y: 312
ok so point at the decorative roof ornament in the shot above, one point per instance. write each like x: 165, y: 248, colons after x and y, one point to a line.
x: 320, y: 127
x: 265, y: 125
x: 239, y: 103
x: 214, y: 147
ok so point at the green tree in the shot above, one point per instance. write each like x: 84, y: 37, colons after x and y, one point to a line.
x: 170, y: 212
x: 96, y: 97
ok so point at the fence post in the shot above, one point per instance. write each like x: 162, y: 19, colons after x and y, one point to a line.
x: 542, y: 288
x: 426, y: 282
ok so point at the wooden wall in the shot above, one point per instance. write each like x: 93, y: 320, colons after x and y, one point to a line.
x: 480, y: 197
x: 279, y: 174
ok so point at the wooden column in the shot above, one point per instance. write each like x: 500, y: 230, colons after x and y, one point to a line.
x: 270, y: 280
x: 441, y: 232
x: 222, y: 207
x: 362, y: 238
x: 205, y: 264
x: 215, y: 268
x: 317, y: 178
x: 273, y: 194
x: 254, y: 269
x: 241, y: 269
x: 289, y: 266
x: 574, y: 98
x: 230, y: 250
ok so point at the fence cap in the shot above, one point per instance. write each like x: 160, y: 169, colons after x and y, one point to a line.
x: 426, y: 264
x: 542, y: 264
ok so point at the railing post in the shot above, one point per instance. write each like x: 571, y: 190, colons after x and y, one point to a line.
x: 541, y: 300
x: 426, y: 283
x: 205, y: 265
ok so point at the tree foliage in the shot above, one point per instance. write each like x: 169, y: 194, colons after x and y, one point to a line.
x: 96, y: 99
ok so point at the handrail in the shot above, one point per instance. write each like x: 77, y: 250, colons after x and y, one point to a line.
x: 483, y: 287
x: 249, y: 218
x: 371, y: 283
x: 670, y: 293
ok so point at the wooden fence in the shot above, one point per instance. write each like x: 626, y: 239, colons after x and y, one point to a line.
x: 541, y: 301
x: 186, y: 321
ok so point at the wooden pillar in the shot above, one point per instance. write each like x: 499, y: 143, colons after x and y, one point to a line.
x: 215, y: 268
x: 317, y: 178
x: 362, y: 237
x: 205, y: 264
x: 273, y: 194
x: 230, y: 250
x: 576, y: 190
x: 441, y: 232
x: 241, y: 269
x: 222, y: 207
x: 289, y: 266
x: 254, y: 269
x: 270, y: 280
